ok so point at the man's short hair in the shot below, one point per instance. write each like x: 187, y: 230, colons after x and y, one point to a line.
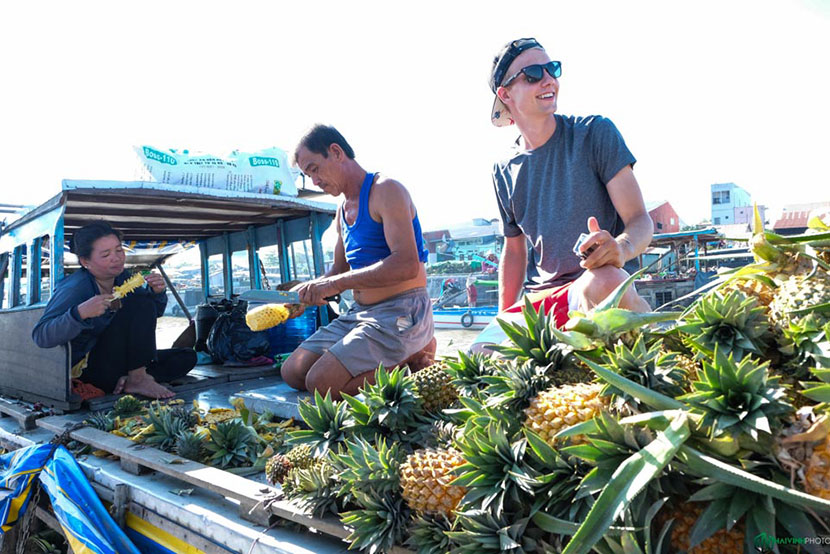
x: 319, y: 138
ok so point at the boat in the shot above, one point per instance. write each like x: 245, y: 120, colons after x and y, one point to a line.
x: 464, y: 317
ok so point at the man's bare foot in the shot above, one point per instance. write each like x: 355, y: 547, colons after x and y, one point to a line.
x: 139, y: 382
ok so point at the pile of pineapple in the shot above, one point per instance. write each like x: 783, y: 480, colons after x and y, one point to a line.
x: 234, y: 438
x: 702, y: 430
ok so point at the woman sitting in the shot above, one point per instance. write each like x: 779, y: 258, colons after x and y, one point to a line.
x: 115, y: 339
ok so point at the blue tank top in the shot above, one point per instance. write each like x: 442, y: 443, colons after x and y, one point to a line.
x: 364, y: 241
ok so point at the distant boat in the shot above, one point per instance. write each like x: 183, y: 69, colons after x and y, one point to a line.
x: 464, y: 317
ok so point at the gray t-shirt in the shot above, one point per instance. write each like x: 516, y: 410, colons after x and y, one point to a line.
x: 549, y: 193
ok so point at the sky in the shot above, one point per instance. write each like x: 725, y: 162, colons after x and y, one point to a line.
x: 703, y: 92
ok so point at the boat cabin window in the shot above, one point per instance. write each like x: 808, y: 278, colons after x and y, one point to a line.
x: 269, y: 258
x: 216, y: 277
x: 44, y: 245
x: 20, y: 278
x: 241, y: 278
x: 301, y: 260
x: 4, y: 280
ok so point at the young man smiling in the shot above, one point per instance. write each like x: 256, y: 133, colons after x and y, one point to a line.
x: 566, y: 173
x: 379, y: 255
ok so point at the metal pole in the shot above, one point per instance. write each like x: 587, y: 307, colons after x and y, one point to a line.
x: 170, y: 286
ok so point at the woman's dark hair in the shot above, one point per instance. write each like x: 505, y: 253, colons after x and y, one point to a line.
x: 85, y: 237
x: 320, y: 137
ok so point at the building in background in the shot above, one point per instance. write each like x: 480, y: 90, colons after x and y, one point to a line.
x: 794, y: 217
x: 663, y: 216
x: 729, y: 201
x: 478, y: 237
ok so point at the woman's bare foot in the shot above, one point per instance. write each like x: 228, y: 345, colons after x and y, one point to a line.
x: 138, y: 381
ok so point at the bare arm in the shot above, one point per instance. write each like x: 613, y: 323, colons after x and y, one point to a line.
x: 512, y: 268
x: 628, y: 201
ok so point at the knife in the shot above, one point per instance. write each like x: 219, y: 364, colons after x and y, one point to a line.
x: 279, y: 296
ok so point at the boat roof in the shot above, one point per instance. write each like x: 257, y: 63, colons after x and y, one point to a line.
x: 148, y: 211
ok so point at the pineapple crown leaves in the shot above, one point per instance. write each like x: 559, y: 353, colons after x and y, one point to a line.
x: 737, y: 398
x: 232, y: 443
x: 428, y: 534
x: 330, y: 424
x: 735, y: 322
x: 628, y: 479
x: 368, y: 468
x: 557, y: 481
x: 380, y: 524
x: 515, y: 384
x: 535, y: 340
x: 467, y: 370
x: 481, y: 531
x: 313, y: 488
x: 494, y: 470
x: 391, y: 405
x: 190, y: 445
x: 167, y: 425
x: 818, y: 391
x: 475, y: 414
x: 649, y: 366
x: 103, y: 421
x: 605, y: 327
x: 727, y: 504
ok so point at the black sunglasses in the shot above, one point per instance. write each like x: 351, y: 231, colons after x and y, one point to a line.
x: 534, y: 73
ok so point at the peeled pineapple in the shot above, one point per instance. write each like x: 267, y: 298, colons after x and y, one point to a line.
x: 560, y: 407
x: 135, y: 281
x: 266, y: 316
x: 425, y: 479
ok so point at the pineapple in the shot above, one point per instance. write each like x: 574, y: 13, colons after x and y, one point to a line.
x: 799, y: 292
x: 425, y: 480
x: 435, y: 388
x: 380, y: 523
x: 685, y: 516
x: 127, y: 405
x: 738, y: 398
x: 166, y: 426
x: 102, y: 420
x: 313, y: 489
x: 651, y: 367
x: 330, y: 424
x: 467, y: 370
x: 428, y: 534
x: 190, y: 445
x: 759, y: 289
x: 390, y: 407
x: 560, y: 407
x: 135, y: 281
x: 368, y: 468
x: 733, y: 322
x: 266, y: 316
x: 817, y: 471
x: 232, y: 443
x: 300, y: 456
x: 276, y: 468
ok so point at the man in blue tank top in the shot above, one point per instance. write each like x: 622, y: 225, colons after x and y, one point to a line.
x: 380, y: 256
x: 567, y: 175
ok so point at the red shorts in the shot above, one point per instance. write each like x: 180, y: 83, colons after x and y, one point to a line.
x: 555, y: 299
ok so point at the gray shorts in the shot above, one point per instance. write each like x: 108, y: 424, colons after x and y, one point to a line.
x: 385, y: 333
